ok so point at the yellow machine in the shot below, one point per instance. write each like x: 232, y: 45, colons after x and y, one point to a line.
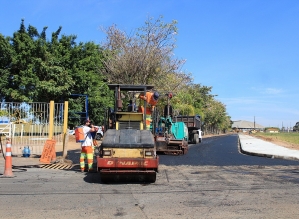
x: 128, y: 151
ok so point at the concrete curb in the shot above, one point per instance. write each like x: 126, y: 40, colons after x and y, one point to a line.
x: 268, y: 155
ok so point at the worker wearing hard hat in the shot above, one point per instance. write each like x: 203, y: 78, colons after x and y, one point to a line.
x: 151, y: 98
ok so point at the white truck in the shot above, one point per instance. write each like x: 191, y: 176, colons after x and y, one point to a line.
x: 100, y: 133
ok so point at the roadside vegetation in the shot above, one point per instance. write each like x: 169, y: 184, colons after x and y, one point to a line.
x: 288, y: 137
x: 36, y: 67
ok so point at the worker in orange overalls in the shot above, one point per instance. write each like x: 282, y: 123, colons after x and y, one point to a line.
x: 87, y: 146
x: 152, y: 99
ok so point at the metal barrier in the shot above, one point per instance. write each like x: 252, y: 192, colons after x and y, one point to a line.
x: 29, y: 125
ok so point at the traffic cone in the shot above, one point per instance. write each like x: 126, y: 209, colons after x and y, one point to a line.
x: 8, y: 160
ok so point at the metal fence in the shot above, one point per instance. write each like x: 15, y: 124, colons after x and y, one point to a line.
x: 27, y: 124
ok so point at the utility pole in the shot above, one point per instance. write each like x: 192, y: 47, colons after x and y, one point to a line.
x: 254, y: 122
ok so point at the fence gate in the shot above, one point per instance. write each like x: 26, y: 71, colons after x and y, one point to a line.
x: 28, y: 125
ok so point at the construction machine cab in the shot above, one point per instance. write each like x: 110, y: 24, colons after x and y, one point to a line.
x: 122, y: 119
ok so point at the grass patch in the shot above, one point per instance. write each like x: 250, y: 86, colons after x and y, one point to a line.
x: 291, y: 137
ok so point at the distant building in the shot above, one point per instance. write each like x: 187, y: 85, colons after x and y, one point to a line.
x: 272, y: 130
x: 245, y: 126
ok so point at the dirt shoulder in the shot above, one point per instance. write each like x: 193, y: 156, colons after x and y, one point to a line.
x: 279, y: 142
x: 269, y: 139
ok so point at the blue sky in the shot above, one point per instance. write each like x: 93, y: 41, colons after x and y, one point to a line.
x: 247, y: 50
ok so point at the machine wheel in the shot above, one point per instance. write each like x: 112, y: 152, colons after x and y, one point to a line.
x: 191, y: 139
x: 98, y: 136
x: 125, y: 178
x: 186, y: 150
x: 196, y: 138
x: 185, y: 147
x: 152, y: 178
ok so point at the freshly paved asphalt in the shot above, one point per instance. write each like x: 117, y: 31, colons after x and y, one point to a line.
x: 228, y: 150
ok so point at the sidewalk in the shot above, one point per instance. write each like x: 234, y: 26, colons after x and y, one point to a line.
x: 257, y: 147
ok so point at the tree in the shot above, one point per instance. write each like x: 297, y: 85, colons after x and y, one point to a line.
x: 37, y: 70
x: 20, y: 81
x: 216, y: 118
x: 146, y: 57
x: 5, y: 61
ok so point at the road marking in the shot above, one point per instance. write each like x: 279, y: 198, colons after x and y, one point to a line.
x: 56, y: 166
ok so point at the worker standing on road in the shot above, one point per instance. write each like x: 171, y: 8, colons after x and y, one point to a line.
x: 87, y: 146
x: 152, y: 99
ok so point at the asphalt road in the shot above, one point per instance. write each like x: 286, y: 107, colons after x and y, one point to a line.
x: 212, y: 181
x: 220, y: 151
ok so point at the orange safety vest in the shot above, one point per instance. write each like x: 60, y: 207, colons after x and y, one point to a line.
x: 149, y: 98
